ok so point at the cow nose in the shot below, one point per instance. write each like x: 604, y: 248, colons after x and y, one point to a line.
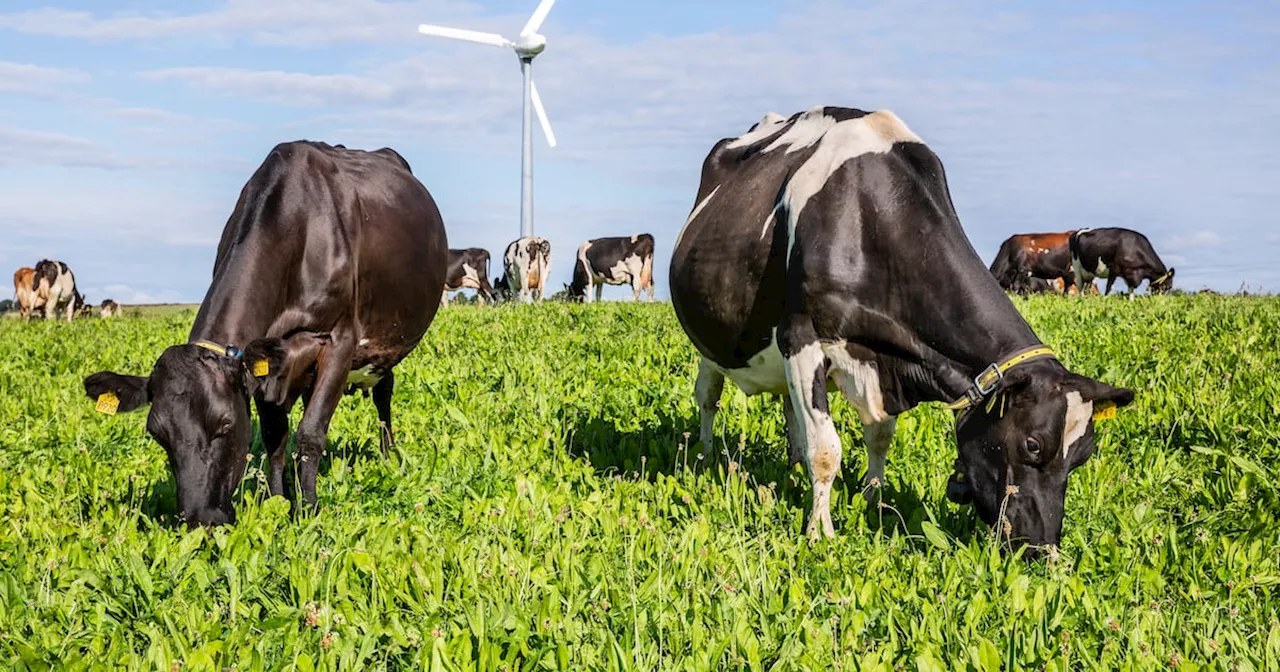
x: 958, y: 490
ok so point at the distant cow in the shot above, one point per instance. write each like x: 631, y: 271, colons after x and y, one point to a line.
x: 824, y: 251
x: 468, y: 269
x: 525, y: 268
x: 1025, y: 256
x: 329, y: 271
x: 613, y: 261
x: 24, y: 292
x: 1118, y: 253
x: 109, y: 308
x: 55, y: 289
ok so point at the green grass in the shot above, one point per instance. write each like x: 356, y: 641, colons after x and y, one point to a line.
x: 540, y: 514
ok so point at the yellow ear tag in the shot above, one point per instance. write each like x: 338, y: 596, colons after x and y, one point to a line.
x: 1105, y: 410
x: 261, y: 368
x: 107, y: 403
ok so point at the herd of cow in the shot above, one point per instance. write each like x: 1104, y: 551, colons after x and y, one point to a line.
x: 822, y: 253
x: 526, y: 268
x: 1068, y: 262
x: 50, y: 290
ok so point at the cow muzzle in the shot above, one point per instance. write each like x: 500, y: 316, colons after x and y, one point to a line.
x: 958, y: 489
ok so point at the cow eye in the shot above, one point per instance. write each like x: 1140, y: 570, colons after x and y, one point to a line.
x: 1032, y: 447
x: 224, y: 428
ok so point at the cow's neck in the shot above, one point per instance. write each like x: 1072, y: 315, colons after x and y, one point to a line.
x: 235, y: 312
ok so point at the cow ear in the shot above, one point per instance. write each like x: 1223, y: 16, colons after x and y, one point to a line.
x: 264, y: 362
x: 1099, y: 392
x: 116, y: 393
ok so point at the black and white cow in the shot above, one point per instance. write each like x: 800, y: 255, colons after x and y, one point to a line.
x: 1118, y: 253
x: 55, y: 289
x: 824, y: 252
x: 468, y: 269
x: 526, y: 266
x: 613, y: 261
x: 329, y: 272
x: 109, y: 308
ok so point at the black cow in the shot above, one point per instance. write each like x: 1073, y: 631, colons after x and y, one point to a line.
x: 1118, y: 253
x: 329, y: 271
x: 824, y: 252
x: 613, y: 261
x: 468, y: 268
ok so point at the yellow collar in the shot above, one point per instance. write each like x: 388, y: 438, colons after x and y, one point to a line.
x: 984, y: 383
x: 224, y: 350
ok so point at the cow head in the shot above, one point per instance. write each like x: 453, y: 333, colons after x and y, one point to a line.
x: 199, y: 413
x: 1017, y: 449
x: 574, y: 291
x: 1162, y: 284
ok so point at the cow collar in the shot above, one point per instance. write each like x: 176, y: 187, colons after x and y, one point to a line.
x: 985, y: 383
x: 224, y: 350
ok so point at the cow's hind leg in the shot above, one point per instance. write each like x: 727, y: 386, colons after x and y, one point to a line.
x: 795, y: 433
x: 708, y: 389
x: 331, y: 377
x: 806, y: 370
x: 382, y: 401
x: 878, y: 437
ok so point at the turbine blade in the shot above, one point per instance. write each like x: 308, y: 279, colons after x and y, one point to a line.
x: 539, y: 15
x: 542, y: 114
x: 492, y: 39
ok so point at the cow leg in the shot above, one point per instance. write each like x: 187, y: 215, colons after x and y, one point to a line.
x: 806, y: 370
x: 650, y: 291
x: 274, y: 423
x: 635, y: 289
x: 331, y: 377
x: 708, y: 389
x: 599, y: 291
x: 1110, y: 281
x: 795, y: 433
x: 444, y: 299
x: 382, y: 401
x: 878, y: 437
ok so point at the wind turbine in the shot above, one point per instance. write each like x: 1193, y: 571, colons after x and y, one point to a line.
x: 527, y: 46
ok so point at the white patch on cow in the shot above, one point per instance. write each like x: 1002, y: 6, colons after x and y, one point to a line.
x: 363, y: 342
x: 769, y: 221
x: 1101, y: 271
x: 1076, y: 421
x: 470, y: 277
x: 633, y: 239
x: 764, y: 372
x: 363, y: 377
x: 765, y: 128
x: 694, y: 215
x: 859, y: 381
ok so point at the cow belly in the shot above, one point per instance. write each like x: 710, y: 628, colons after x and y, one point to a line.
x: 764, y: 372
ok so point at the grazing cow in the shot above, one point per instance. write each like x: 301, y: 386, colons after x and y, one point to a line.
x: 329, y: 271
x: 1028, y: 256
x: 55, y: 289
x: 24, y: 293
x: 468, y: 268
x: 801, y: 267
x: 613, y: 261
x: 1118, y: 253
x: 109, y: 308
x: 525, y: 268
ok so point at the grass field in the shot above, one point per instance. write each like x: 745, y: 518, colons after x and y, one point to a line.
x: 541, y: 513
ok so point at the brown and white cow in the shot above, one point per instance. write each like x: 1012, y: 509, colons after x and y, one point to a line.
x: 24, y: 293
x: 1024, y: 257
x: 613, y: 261
x: 823, y: 252
x: 468, y: 269
x: 526, y: 266
x: 329, y: 271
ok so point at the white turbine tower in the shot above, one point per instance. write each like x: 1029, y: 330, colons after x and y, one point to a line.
x: 528, y: 45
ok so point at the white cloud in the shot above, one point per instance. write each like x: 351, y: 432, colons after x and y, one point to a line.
x: 286, y: 88
x: 27, y: 78
x: 127, y: 295
x: 1199, y: 239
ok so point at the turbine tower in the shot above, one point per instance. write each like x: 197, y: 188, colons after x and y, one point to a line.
x: 527, y: 46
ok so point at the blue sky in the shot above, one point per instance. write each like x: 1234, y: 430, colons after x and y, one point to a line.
x: 128, y: 128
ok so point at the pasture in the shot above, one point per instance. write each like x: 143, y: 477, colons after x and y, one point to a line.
x: 543, y: 511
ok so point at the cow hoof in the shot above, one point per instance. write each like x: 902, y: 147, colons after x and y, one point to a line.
x: 872, y: 489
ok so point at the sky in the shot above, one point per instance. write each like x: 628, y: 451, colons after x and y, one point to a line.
x: 127, y: 128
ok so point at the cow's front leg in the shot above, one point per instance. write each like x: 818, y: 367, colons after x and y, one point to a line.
x: 878, y: 437
x: 382, y: 393
x: 806, y: 370
x: 795, y: 433
x: 332, y: 370
x: 274, y: 423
